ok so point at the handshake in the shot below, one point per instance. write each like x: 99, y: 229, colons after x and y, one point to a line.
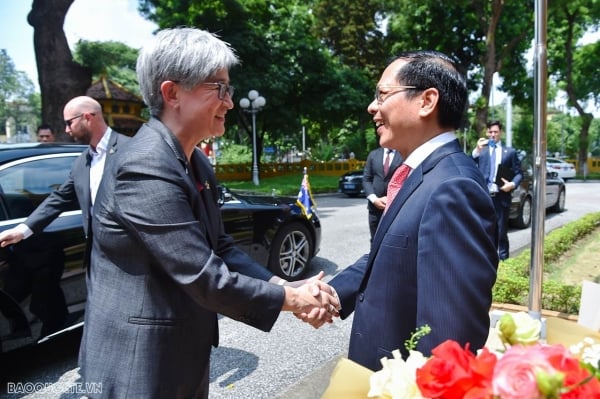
x: 312, y: 301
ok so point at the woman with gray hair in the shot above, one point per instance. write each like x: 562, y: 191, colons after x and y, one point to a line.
x: 162, y: 265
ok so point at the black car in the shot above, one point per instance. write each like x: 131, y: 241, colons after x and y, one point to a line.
x: 272, y: 230
x: 350, y: 183
x: 522, y: 197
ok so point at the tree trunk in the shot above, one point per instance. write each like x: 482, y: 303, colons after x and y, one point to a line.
x: 584, y: 135
x: 60, y: 77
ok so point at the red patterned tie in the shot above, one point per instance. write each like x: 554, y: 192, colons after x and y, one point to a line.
x: 396, y: 183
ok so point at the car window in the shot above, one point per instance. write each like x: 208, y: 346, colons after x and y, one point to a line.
x: 26, y: 184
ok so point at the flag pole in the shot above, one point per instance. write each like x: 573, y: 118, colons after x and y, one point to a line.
x: 539, y: 161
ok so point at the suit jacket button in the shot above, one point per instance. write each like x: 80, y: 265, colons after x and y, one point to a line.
x: 361, y: 297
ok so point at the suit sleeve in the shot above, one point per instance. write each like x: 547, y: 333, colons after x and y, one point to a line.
x: 456, y: 264
x: 516, y: 168
x: 236, y: 259
x: 347, y: 285
x: 153, y: 201
x: 368, y: 175
x: 60, y: 200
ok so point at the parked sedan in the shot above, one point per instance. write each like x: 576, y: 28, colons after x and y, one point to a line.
x: 565, y: 170
x: 270, y: 229
x: 350, y: 183
x: 522, y: 196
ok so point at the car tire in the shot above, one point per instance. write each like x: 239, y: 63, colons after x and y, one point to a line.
x: 291, y: 252
x: 523, y: 219
x: 559, y: 206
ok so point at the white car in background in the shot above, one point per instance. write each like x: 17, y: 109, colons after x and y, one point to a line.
x: 564, y: 169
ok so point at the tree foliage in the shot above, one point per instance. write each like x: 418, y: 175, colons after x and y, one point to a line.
x: 283, y: 60
x: 487, y: 37
x: 575, y: 66
x: 18, y: 100
x: 113, y: 59
x: 316, y: 61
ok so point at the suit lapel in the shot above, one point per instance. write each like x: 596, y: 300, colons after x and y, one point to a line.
x: 207, y: 189
x: 410, y: 185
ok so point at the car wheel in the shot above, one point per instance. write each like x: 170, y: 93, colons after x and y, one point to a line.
x: 291, y: 251
x: 523, y: 219
x: 559, y: 206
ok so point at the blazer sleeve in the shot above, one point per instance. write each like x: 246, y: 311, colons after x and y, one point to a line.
x: 236, y: 259
x: 60, y: 200
x: 347, y: 285
x: 154, y: 202
x: 368, y: 174
x: 516, y: 168
x: 456, y: 264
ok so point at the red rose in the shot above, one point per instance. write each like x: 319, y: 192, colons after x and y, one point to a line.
x: 578, y: 383
x: 455, y: 373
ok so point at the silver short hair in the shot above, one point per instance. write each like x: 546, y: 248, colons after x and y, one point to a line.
x: 186, y: 55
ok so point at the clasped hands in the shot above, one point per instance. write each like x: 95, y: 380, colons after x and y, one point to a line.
x: 312, y: 301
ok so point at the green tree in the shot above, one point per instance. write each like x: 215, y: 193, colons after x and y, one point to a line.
x: 18, y: 100
x: 573, y: 66
x: 60, y: 77
x: 352, y: 31
x: 112, y: 59
x: 485, y: 36
x: 303, y: 83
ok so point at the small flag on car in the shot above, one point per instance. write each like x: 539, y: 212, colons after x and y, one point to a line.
x: 305, y: 199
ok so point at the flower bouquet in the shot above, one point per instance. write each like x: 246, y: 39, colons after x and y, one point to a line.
x: 519, y: 367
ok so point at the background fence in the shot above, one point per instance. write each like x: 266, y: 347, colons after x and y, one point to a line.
x: 244, y: 171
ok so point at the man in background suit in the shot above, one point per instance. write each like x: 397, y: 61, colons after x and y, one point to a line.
x: 162, y: 266
x: 502, y: 177
x: 379, y: 168
x: 85, y: 123
x: 433, y: 259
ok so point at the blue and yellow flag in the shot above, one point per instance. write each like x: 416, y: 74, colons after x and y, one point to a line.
x: 305, y: 199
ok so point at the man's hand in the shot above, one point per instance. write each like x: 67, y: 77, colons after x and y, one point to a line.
x: 315, y: 302
x: 380, y: 202
x: 507, y: 186
x: 10, y: 236
x: 482, y: 142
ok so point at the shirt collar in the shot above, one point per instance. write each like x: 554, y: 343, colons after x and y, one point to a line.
x: 103, y: 144
x: 425, y: 149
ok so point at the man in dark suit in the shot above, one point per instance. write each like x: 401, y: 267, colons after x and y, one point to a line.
x: 85, y: 123
x: 379, y: 168
x: 433, y: 259
x: 502, y: 175
x: 162, y: 266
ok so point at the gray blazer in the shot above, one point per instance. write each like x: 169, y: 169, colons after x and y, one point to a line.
x: 162, y: 268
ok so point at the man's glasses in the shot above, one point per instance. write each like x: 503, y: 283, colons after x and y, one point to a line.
x: 222, y: 87
x: 380, y: 96
x: 69, y: 121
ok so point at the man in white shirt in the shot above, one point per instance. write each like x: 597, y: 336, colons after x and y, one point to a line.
x: 39, y: 274
x: 85, y: 123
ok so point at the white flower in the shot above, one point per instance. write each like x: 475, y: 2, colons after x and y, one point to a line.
x: 588, y: 351
x: 519, y: 328
x: 397, y: 379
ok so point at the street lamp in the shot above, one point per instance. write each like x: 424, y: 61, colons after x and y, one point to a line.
x: 253, y: 104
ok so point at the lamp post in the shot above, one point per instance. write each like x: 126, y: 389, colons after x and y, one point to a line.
x: 253, y: 104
